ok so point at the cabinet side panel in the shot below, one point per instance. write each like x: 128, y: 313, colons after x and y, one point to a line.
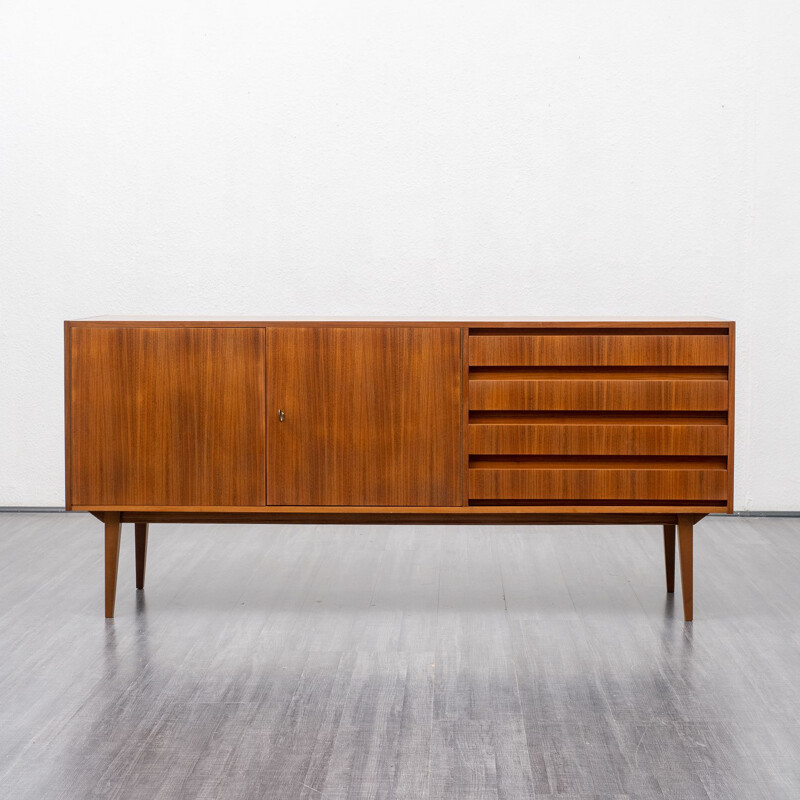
x: 167, y: 416
x: 731, y: 404
x: 67, y: 424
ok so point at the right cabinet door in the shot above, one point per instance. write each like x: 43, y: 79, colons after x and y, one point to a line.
x: 363, y: 416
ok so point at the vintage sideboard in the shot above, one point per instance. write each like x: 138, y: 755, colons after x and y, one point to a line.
x: 535, y: 421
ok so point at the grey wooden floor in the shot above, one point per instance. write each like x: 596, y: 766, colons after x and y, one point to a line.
x: 399, y: 662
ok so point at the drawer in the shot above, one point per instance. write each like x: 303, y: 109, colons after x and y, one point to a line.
x: 598, y: 439
x: 637, y: 350
x: 491, y: 393
x: 670, y: 485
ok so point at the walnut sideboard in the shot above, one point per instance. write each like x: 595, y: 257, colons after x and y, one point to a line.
x: 495, y: 421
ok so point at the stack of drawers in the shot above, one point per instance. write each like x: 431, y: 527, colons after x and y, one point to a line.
x: 600, y: 417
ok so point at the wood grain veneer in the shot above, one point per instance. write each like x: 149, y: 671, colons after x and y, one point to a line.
x: 598, y: 395
x: 587, y: 439
x: 599, y: 349
x: 372, y: 416
x: 167, y: 416
x: 378, y: 421
x: 683, y: 486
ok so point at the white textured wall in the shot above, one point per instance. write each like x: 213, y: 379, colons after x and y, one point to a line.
x: 402, y: 158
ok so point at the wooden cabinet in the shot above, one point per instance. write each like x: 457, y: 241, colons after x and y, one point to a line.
x: 532, y: 421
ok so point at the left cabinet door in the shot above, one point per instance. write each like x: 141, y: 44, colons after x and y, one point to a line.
x: 162, y: 416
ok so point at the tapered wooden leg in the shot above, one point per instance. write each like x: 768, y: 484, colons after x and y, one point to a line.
x: 113, y: 529
x: 141, y: 553
x: 669, y: 556
x: 685, y: 545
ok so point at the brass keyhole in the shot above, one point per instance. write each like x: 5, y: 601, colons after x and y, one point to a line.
x: 281, y: 415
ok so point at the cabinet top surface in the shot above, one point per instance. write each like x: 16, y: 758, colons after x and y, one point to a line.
x: 430, y: 321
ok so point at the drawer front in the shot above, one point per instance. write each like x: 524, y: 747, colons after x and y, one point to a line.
x: 599, y: 350
x: 684, y: 486
x: 493, y: 393
x: 598, y: 439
